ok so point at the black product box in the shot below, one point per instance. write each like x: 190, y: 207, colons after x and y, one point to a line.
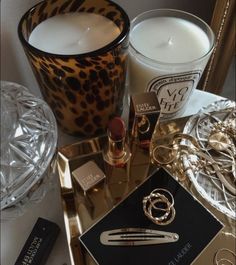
x: 39, y: 243
x: 194, y: 224
x: 144, y: 115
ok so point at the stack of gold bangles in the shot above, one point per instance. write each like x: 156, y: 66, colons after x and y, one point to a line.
x: 158, y: 206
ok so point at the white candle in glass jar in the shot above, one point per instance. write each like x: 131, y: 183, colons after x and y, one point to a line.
x: 74, y: 33
x: 169, y: 40
x: 167, y: 55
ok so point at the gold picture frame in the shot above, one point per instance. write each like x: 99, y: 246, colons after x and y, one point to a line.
x: 223, y: 25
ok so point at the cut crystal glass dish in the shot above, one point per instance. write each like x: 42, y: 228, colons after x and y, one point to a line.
x: 28, y: 145
x: 214, y: 128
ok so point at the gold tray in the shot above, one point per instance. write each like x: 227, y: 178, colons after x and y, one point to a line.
x: 79, y: 214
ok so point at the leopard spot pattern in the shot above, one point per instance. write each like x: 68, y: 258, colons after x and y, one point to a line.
x: 83, y: 92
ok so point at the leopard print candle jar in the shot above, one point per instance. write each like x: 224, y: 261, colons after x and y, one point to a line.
x: 84, y: 89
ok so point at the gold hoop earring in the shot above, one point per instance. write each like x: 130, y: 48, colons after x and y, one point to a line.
x: 143, y: 124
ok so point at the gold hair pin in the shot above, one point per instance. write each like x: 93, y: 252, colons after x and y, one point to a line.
x: 136, y: 237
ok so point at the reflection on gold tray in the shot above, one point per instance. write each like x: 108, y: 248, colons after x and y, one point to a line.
x: 80, y: 213
x: 222, y: 241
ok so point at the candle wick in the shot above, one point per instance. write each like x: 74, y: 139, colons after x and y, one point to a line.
x: 83, y: 34
x: 170, y: 41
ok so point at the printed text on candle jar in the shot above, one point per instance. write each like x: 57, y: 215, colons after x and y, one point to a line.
x: 173, y: 90
x: 174, y: 98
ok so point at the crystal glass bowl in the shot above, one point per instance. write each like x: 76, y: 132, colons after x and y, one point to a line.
x: 208, y: 183
x: 28, y: 145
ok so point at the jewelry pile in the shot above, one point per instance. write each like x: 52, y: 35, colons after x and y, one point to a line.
x: 206, y: 152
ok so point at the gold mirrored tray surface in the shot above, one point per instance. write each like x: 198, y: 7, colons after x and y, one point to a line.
x: 83, y: 210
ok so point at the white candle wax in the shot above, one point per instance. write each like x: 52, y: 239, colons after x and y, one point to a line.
x: 164, y: 57
x: 169, y: 40
x: 74, y: 33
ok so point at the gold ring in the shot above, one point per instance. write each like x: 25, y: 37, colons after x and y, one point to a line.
x: 150, y: 204
x: 143, y: 124
x: 165, y: 154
